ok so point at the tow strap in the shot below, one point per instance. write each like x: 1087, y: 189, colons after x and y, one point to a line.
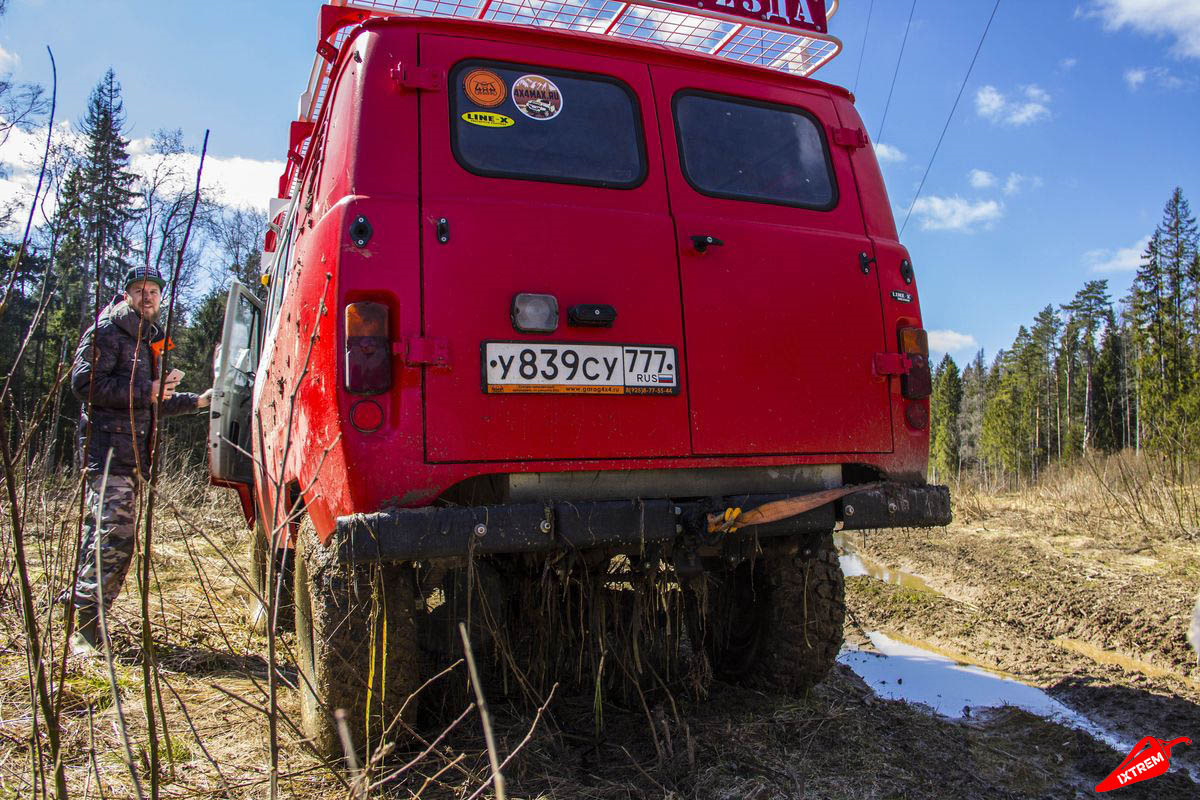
x: 733, y: 518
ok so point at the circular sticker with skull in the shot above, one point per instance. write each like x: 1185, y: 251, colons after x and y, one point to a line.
x: 537, y: 97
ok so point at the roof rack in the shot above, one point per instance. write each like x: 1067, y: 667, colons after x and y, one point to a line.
x: 786, y: 35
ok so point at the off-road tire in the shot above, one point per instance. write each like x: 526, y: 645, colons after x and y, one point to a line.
x: 257, y: 576
x: 356, y: 644
x: 775, y: 621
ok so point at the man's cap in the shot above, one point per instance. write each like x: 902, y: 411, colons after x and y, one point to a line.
x: 138, y: 274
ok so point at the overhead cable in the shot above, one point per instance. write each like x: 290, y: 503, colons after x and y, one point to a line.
x: 862, y: 50
x: 895, y: 72
x: 949, y: 117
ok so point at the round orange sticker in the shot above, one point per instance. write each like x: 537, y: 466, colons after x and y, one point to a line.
x: 484, y: 88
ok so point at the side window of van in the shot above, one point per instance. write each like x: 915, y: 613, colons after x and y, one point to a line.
x: 746, y: 150
x: 279, y: 273
x: 512, y: 121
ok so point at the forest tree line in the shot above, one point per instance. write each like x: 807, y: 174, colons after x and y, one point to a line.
x: 96, y: 218
x: 1090, y: 376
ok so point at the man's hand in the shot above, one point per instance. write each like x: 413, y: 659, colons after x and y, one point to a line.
x: 157, y: 386
x: 204, y: 400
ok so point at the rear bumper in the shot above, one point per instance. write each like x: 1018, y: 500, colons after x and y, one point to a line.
x: 410, y: 534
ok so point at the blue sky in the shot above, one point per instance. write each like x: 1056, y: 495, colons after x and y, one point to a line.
x: 1078, y: 121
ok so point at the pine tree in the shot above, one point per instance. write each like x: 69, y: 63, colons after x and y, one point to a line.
x: 1106, y: 398
x: 108, y: 187
x: 944, y: 407
x: 1088, y: 310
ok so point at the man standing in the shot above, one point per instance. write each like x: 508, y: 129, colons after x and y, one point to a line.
x: 117, y: 378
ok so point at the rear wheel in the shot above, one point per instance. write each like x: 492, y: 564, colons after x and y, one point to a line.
x: 775, y: 621
x: 357, y: 647
x: 259, y: 578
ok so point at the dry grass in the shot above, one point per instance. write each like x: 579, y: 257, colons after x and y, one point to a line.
x: 1127, y: 494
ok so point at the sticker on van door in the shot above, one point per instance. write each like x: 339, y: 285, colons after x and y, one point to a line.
x: 486, y: 119
x: 537, y: 97
x: 484, y: 88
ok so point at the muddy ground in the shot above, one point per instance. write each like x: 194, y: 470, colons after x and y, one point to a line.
x: 1049, y: 605
x: 1095, y: 612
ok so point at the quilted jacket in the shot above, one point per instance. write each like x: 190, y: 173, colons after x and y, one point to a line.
x: 115, y: 380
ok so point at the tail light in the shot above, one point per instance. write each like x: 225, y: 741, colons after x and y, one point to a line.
x: 918, y: 383
x: 368, y: 349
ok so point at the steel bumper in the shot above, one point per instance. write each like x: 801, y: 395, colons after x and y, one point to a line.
x: 410, y: 534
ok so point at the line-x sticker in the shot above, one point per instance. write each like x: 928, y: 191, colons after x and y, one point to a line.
x: 486, y: 119
x: 537, y: 97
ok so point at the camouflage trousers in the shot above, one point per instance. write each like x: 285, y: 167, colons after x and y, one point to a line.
x: 111, y: 530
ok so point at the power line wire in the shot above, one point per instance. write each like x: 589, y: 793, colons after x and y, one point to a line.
x: 895, y: 72
x: 862, y: 50
x: 946, y: 127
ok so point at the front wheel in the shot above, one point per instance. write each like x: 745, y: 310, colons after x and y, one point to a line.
x: 357, y: 647
x: 775, y: 621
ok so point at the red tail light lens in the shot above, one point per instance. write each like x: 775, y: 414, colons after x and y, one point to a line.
x: 368, y: 349
x: 918, y: 383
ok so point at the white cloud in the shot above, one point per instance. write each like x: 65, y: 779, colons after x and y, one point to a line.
x: 981, y: 179
x: 1030, y: 105
x: 1068, y: 64
x: 956, y: 213
x: 8, y: 61
x: 948, y: 341
x: 233, y: 180
x: 1177, y: 19
x: 1016, y: 181
x: 889, y: 154
x: 1123, y: 259
x: 1162, y: 77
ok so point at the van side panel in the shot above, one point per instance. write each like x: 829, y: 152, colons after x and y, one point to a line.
x: 877, y: 210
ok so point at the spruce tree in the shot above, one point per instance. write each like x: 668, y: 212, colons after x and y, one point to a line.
x: 971, y: 411
x: 944, y: 407
x: 108, y: 186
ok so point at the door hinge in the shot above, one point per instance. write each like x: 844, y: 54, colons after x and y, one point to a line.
x: 853, y: 138
x: 892, y: 364
x: 425, y: 79
x: 418, y: 350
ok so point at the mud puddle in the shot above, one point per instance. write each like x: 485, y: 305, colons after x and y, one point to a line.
x: 855, y: 564
x: 899, y: 670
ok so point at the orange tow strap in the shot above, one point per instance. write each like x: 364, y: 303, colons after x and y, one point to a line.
x: 733, y: 518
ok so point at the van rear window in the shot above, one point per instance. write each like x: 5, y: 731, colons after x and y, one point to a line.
x: 549, y: 125
x: 747, y: 150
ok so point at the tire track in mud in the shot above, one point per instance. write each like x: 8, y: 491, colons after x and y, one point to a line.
x: 1102, y: 633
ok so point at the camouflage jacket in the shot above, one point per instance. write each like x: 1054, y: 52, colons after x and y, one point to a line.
x: 117, y: 383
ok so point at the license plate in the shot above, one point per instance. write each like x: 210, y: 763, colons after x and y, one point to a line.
x: 537, y: 368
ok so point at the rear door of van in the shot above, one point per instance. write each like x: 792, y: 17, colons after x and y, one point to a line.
x: 541, y: 174
x: 781, y: 299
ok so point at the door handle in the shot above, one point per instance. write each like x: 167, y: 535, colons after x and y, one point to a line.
x: 702, y: 243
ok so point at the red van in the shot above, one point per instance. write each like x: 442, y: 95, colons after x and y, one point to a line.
x: 615, y: 284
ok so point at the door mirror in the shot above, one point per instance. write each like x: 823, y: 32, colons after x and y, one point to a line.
x: 234, y: 366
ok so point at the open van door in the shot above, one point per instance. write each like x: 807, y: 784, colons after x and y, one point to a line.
x: 229, y: 420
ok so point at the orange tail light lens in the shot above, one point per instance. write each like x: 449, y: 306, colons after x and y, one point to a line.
x: 368, y: 349
x: 918, y: 383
